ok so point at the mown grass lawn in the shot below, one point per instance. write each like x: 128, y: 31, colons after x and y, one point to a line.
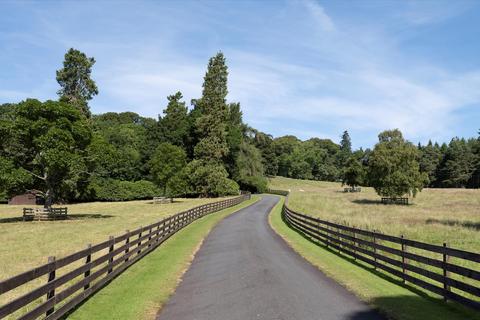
x: 435, y: 215
x: 140, y: 291
x: 385, y: 293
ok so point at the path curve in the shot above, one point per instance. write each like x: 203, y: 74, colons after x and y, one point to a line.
x: 244, y: 271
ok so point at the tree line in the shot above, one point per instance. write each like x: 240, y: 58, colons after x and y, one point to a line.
x: 203, y: 148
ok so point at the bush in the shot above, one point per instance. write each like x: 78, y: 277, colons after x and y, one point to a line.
x: 3, y: 197
x: 117, y: 190
x: 254, y: 184
x: 210, y: 180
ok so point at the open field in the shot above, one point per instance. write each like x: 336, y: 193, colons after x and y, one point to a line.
x: 386, y: 293
x: 435, y: 215
x: 25, y: 245
x: 139, y: 292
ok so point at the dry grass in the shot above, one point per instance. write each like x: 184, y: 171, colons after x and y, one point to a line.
x: 25, y: 245
x: 435, y: 215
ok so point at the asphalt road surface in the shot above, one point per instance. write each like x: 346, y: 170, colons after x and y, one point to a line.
x: 244, y: 271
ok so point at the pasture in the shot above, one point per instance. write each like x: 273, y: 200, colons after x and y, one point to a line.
x: 25, y: 245
x: 434, y: 216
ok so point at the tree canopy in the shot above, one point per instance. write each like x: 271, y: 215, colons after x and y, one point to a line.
x: 44, y: 148
x: 206, y: 150
x: 394, y: 170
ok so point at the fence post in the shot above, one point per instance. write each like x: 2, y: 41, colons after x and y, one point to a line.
x: 150, y: 237
x: 338, y: 242
x: 328, y: 234
x: 403, y: 259
x: 140, y: 241
x: 318, y: 231
x: 51, y: 277
x: 110, y: 250
x: 446, y: 287
x: 354, y: 246
x: 87, y: 261
x: 374, y: 250
x: 127, y: 244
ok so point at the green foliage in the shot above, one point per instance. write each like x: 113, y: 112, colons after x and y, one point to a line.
x: 167, y: 161
x: 46, y: 141
x: 131, y: 145
x: 13, y: 180
x: 211, y: 123
x: 345, y: 149
x: 175, y: 125
x: 394, y: 170
x: 210, y: 179
x: 77, y: 87
x: 117, y: 190
x: 354, y: 173
x: 264, y: 143
x: 429, y: 161
x: 249, y: 172
x: 254, y: 184
x: 235, y: 136
x: 458, y: 164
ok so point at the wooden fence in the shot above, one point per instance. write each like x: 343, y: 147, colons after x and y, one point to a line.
x: 425, y: 265
x: 89, y: 273
x: 43, y: 214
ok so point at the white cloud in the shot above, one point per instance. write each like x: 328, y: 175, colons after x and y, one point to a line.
x: 303, y: 72
x: 318, y: 12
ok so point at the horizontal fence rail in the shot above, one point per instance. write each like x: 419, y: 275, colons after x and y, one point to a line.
x: 422, y: 264
x: 88, y: 270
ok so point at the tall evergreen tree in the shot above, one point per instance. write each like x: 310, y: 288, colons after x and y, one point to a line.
x: 458, y: 164
x: 175, y: 125
x: 77, y: 87
x: 235, y: 136
x: 346, y: 143
x: 211, y: 124
x: 345, y: 150
x: 429, y: 161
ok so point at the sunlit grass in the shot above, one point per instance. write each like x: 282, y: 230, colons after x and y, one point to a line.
x: 435, y: 215
x: 375, y: 287
x: 28, y: 244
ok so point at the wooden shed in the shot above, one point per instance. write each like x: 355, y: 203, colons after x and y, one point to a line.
x: 32, y: 198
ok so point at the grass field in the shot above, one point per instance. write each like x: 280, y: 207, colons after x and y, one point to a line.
x: 435, y: 215
x: 140, y: 291
x: 387, y: 294
x: 25, y: 245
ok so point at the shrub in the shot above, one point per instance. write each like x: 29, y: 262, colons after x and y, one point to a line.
x: 254, y: 184
x: 210, y: 179
x: 117, y: 190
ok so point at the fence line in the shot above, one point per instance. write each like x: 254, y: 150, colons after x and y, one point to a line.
x: 378, y: 250
x: 93, y: 274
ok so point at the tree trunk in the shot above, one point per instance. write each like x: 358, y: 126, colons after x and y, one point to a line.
x: 48, y: 199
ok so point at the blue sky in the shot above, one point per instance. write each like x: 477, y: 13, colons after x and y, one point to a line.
x: 308, y: 68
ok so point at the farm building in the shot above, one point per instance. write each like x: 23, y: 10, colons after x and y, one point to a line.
x: 32, y: 197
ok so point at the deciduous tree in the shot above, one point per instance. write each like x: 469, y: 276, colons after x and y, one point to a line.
x: 44, y: 148
x: 394, y: 170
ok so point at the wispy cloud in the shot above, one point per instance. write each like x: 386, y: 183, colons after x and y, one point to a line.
x: 321, y: 17
x: 296, y: 67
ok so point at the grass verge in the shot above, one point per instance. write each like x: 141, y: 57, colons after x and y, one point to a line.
x: 139, y: 292
x: 376, y: 288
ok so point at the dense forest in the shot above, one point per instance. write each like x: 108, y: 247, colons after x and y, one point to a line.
x: 199, y: 149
